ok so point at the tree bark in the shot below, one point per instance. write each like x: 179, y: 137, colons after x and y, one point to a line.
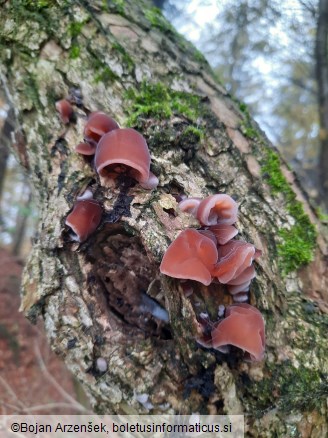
x: 321, y: 53
x: 5, y: 133
x: 125, y: 59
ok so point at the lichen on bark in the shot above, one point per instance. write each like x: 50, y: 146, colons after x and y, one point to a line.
x: 127, y: 62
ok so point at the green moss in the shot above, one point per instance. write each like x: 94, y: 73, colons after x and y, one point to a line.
x: 160, y: 102
x: 31, y: 90
x: 199, y: 56
x: 298, y: 242
x: 31, y: 10
x: 119, y: 6
x: 289, y: 388
x: 156, y: 19
x: 75, y: 28
x: 38, y: 5
x: 74, y: 51
x: 125, y: 57
x: 246, y: 125
x: 321, y: 215
x: 192, y: 134
x: 243, y: 107
x: 105, y: 75
x: 116, y: 6
x: 249, y: 131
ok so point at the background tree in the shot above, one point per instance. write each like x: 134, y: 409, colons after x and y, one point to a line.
x: 126, y: 59
x: 265, y: 53
x: 322, y: 78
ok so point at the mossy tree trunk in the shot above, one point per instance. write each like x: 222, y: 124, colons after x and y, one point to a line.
x: 125, y: 59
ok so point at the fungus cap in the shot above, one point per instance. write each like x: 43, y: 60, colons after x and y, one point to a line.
x: 65, y: 110
x: 190, y: 205
x: 242, y: 327
x: 85, y: 148
x: 236, y: 289
x: 233, y: 259
x: 223, y: 232
x: 247, y: 275
x: 124, y: 147
x: 84, y: 218
x: 217, y: 209
x: 97, y: 125
x: 191, y: 256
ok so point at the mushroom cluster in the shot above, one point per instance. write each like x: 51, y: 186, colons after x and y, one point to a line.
x: 116, y: 151
x: 211, y: 254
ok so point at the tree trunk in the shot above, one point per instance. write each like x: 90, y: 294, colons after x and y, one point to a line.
x: 322, y: 78
x: 21, y: 221
x: 5, y: 133
x: 125, y: 59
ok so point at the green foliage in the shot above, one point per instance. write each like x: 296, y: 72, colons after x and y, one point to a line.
x: 298, y: 242
x: 160, y: 102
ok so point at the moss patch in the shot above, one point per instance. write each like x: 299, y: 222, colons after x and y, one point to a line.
x: 288, y: 388
x: 125, y: 57
x: 298, y: 242
x: 116, y: 6
x: 246, y: 126
x: 157, y: 19
x: 74, y: 51
x: 31, y: 90
x: 160, y: 102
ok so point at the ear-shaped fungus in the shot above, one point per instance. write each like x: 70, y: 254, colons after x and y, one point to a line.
x: 190, y: 256
x: 190, y: 205
x: 234, y: 258
x: 85, y: 148
x: 125, y: 151
x: 223, y: 233
x: 242, y: 327
x: 217, y: 209
x: 84, y: 218
x: 65, y: 110
x: 97, y: 125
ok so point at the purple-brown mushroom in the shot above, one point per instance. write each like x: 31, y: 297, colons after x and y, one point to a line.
x: 242, y: 327
x: 191, y: 256
x: 217, y: 209
x: 65, y: 110
x: 84, y: 218
x: 125, y: 151
x: 98, y: 124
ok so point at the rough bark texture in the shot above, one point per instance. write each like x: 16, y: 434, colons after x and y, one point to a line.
x: 125, y: 59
